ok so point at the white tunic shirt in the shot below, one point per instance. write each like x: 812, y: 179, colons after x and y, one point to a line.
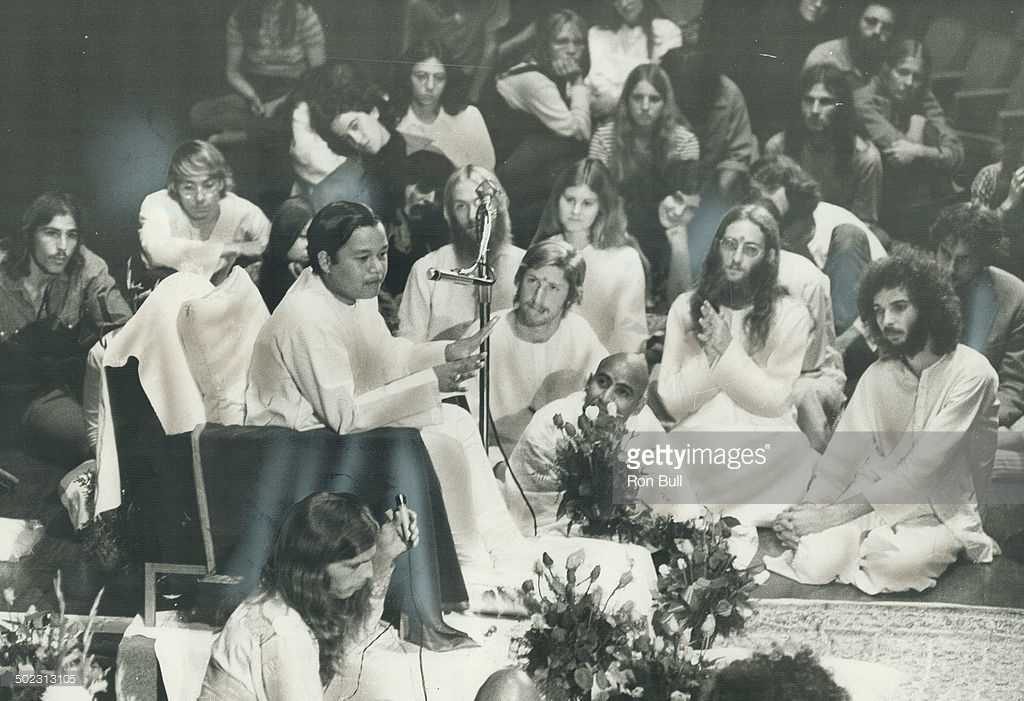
x: 462, y: 138
x: 320, y: 362
x: 614, y: 301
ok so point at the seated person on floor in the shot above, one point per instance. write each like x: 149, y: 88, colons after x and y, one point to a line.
x: 544, y: 123
x: 440, y: 310
x: 430, y: 102
x: 418, y: 226
x: 1000, y: 187
x: 56, y: 300
x: 197, y: 224
x: 894, y: 500
x: 831, y: 237
x: 920, y: 149
x: 270, y: 44
x: 621, y: 379
x: 344, y: 146
x: 734, y: 349
x: 647, y: 150
x: 319, y: 601
x: 325, y: 359
x: 859, y: 54
x: 541, y: 350
x: 585, y: 210
x: 967, y: 240
x: 285, y: 255
x: 824, y: 140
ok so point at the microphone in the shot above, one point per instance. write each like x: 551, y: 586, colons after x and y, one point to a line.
x: 458, y: 277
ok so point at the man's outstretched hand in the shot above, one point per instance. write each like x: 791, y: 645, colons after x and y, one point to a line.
x: 451, y: 376
x: 466, y: 347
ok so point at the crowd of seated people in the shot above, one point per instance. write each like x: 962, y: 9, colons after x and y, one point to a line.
x: 625, y: 191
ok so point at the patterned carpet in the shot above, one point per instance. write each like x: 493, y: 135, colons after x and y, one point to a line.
x: 946, y: 651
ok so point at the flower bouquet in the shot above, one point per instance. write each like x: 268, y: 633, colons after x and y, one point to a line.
x: 589, y: 469
x: 46, y: 656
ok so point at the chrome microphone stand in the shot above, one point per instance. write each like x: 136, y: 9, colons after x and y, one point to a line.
x: 480, y: 275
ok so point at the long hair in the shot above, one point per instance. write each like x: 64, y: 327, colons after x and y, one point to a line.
x: 610, y: 19
x: 900, y: 49
x: 199, y: 159
x: 974, y: 224
x: 845, y: 123
x: 250, y: 18
x: 275, y: 274
x: 764, y: 278
x: 609, y: 228
x: 928, y: 288
x: 333, y: 226
x: 775, y: 675
x: 802, y: 191
x: 501, y: 230
x: 41, y: 212
x: 625, y: 162
x: 547, y: 28
x: 453, y: 98
x: 322, y: 529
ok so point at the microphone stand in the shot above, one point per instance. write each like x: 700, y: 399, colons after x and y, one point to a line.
x: 480, y: 275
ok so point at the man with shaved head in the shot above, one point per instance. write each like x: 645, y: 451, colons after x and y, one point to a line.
x: 620, y: 380
x: 511, y: 684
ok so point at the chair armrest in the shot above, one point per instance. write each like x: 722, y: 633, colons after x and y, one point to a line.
x: 975, y: 110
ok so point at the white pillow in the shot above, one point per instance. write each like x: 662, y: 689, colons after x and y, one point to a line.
x: 218, y: 332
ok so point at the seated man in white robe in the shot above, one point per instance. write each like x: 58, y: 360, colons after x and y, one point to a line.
x: 196, y: 224
x: 440, y: 310
x: 620, y: 381
x: 894, y: 499
x: 734, y: 349
x: 326, y: 358
x: 540, y: 350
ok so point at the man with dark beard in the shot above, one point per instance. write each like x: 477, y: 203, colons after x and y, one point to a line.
x: 894, y: 498
x: 734, y: 349
x: 433, y: 311
x: 860, y: 53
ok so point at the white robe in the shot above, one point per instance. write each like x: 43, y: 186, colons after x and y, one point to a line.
x: 614, y: 299
x: 747, y: 396
x: 320, y: 362
x: 920, y: 450
x: 525, y: 376
x: 429, y: 308
x: 534, y: 456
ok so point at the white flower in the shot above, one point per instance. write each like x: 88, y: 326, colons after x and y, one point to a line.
x: 591, y: 412
x: 9, y: 596
x: 613, y: 409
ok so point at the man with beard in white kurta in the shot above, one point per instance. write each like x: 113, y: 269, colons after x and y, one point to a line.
x: 894, y: 499
x: 326, y: 358
x: 540, y: 350
x: 620, y: 381
x: 733, y: 352
x: 440, y: 310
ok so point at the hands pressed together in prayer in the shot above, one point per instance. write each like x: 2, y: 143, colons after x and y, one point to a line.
x: 801, y: 520
x: 463, y: 360
x: 714, y: 334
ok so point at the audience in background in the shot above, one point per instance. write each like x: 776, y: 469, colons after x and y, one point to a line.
x: 468, y: 28
x: 197, y: 224
x: 442, y: 310
x: 270, y: 44
x: 585, y: 210
x: 647, y: 151
x: 427, y: 97
x: 824, y: 138
x: 624, y: 34
x: 56, y: 300
x: 859, y: 54
x: 920, y: 149
x: 547, y: 122
x: 285, y: 257
x: 712, y: 106
x: 418, y: 226
x: 343, y: 145
x: 1000, y: 187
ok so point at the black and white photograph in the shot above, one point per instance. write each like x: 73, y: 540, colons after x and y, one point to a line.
x: 512, y: 350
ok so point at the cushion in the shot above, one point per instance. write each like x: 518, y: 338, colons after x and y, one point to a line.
x: 218, y: 332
